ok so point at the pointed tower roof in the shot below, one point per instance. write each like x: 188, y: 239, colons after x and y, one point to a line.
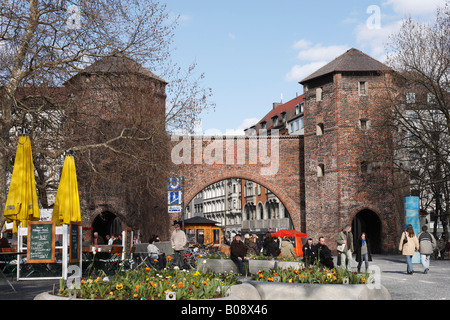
x: 351, y: 61
x: 118, y: 63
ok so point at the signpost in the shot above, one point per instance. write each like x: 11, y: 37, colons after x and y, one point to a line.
x: 176, y: 197
x: 74, y: 248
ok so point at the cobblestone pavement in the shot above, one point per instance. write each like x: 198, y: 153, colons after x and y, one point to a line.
x: 434, y: 285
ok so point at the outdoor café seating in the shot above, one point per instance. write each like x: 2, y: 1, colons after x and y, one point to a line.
x: 110, y: 263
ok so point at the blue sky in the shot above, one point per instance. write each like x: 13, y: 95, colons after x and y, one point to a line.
x: 255, y: 51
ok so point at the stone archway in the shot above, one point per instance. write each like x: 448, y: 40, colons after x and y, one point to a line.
x: 290, y: 204
x: 368, y: 221
x: 106, y: 223
x: 245, y: 158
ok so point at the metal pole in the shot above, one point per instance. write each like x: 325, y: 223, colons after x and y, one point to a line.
x: 182, y: 202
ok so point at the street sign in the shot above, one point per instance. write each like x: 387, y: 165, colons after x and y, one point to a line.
x: 174, y: 183
x: 174, y: 209
x: 174, y: 198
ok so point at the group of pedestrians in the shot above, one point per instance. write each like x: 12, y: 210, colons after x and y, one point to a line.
x: 424, y: 243
x: 345, y: 250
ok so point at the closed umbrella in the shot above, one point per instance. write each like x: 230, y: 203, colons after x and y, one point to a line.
x: 22, y: 201
x: 67, y: 202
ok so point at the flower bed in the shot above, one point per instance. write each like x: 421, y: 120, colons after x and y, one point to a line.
x: 311, y: 275
x: 147, y: 284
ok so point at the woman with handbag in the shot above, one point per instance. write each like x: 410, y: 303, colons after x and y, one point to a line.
x: 408, y: 245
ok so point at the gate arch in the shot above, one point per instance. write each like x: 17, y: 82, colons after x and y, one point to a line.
x: 368, y: 221
x: 242, y: 160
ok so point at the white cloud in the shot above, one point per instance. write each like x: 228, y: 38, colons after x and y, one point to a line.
x: 239, y: 131
x: 302, y: 44
x: 414, y: 7
x: 374, y: 40
x: 314, y: 57
x: 232, y: 36
x: 320, y: 53
x: 299, y: 72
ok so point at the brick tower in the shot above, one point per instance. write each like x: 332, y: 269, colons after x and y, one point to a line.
x: 349, y: 173
x: 118, y: 188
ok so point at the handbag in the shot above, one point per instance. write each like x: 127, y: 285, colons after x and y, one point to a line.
x: 341, y: 247
x: 405, y: 240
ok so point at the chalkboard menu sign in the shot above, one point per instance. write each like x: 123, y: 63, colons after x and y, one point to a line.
x: 128, y: 242
x: 41, y: 242
x: 74, y: 242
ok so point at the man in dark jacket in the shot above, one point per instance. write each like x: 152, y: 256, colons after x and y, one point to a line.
x: 238, y: 252
x: 309, y: 252
x: 324, y: 253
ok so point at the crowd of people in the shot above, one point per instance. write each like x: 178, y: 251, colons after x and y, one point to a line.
x: 251, y: 244
x: 424, y: 243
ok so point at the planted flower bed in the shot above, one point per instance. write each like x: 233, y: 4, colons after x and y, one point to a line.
x: 313, y: 274
x: 147, y: 284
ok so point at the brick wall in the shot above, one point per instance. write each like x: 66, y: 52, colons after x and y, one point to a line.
x: 286, y: 183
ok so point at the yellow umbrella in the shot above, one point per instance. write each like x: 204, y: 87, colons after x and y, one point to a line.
x: 22, y: 202
x: 67, y: 202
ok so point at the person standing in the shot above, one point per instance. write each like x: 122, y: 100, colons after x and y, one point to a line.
x: 427, y: 245
x: 287, y: 249
x: 408, y: 244
x: 363, y: 252
x: 345, y: 237
x: 178, y: 241
x: 309, y: 252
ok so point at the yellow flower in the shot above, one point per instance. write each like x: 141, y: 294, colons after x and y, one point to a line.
x: 111, y: 293
x: 119, y: 286
x: 167, y: 291
x: 205, y: 283
x: 270, y: 279
x: 260, y: 276
x: 290, y: 280
x: 196, y: 273
x: 329, y: 276
x: 135, y: 295
x: 153, y: 284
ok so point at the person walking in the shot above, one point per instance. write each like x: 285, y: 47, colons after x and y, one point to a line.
x: 345, y: 238
x: 363, y: 252
x: 178, y: 241
x: 427, y: 245
x: 408, y: 244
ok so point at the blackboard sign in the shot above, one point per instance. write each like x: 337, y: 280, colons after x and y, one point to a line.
x: 74, y: 242
x: 128, y: 242
x: 41, y: 242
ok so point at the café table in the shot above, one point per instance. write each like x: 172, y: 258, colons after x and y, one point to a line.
x: 7, y: 259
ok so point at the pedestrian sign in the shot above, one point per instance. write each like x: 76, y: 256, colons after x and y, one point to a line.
x: 174, y: 198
